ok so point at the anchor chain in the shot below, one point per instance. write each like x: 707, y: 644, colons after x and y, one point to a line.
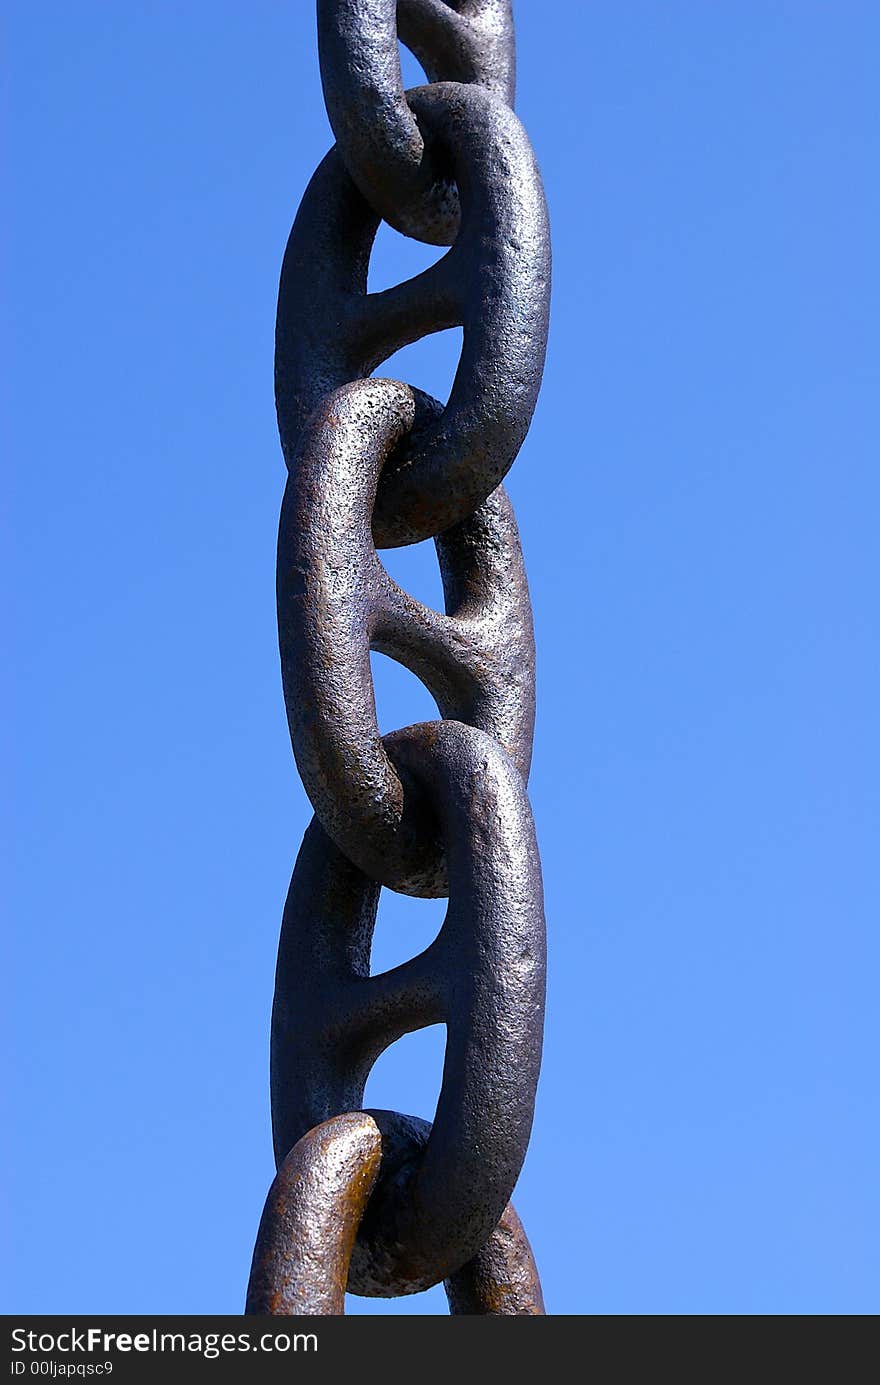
x: 377, y: 1202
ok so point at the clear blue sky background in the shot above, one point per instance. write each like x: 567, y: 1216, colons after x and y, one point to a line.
x: 698, y: 504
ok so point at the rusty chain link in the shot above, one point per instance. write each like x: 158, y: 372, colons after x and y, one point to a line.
x: 377, y: 1202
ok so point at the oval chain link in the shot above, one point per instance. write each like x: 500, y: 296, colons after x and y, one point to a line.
x: 494, y: 282
x: 336, y: 602
x: 483, y: 977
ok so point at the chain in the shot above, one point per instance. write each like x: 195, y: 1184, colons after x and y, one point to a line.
x: 374, y: 1201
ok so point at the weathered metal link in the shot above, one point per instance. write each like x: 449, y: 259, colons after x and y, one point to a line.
x: 378, y: 136
x: 442, y: 1189
x: 308, y: 1228
x: 495, y: 282
x: 336, y: 602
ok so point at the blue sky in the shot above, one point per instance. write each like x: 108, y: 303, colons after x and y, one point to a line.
x: 698, y: 506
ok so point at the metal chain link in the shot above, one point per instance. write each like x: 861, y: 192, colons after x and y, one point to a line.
x: 374, y: 1201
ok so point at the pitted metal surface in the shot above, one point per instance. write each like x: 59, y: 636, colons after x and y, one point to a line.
x: 311, y: 1219
x: 502, y: 1279
x: 379, y: 1202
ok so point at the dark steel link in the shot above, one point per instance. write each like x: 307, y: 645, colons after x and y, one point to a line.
x: 495, y: 282
x: 378, y: 136
x: 336, y: 602
x: 483, y: 977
